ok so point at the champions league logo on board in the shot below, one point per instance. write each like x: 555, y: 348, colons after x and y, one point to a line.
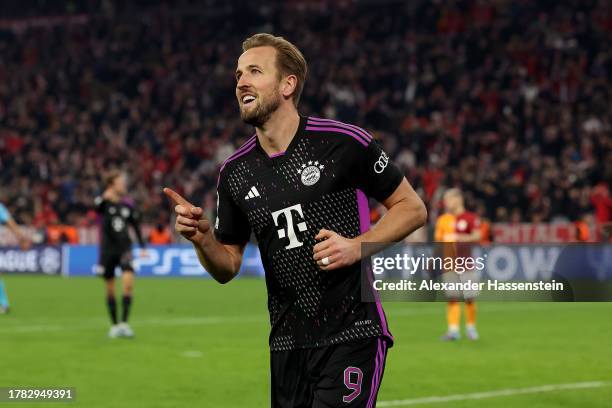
x: 310, y: 173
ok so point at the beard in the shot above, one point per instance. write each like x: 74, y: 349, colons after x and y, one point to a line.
x: 262, y: 112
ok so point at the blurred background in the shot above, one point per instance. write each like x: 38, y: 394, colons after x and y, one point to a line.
x: 508, y: 100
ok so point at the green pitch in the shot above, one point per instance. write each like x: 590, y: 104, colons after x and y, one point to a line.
x: 201, y: 344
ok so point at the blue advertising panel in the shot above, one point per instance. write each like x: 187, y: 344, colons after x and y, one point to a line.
x: 163, y: 260
x: 501, y: 262
x: 36, y: 260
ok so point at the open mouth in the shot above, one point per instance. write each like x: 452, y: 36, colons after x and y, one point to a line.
x: 247, y: 99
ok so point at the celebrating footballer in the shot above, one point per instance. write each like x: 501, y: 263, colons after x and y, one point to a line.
x: 301, y: 185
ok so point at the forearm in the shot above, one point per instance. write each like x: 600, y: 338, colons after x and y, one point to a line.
x: 400, y: 221
x: 12, y: 225
x: 138, y: 233
x: 220, y: 260
x: 217, y: 259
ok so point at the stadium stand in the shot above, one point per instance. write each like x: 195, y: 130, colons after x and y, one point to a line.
x: 510, y: 101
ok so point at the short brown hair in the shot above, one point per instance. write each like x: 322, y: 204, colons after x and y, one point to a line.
x: 111, y: 176
x: 289, y: 59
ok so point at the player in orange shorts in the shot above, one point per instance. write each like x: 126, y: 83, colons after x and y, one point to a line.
x: 458, y: 225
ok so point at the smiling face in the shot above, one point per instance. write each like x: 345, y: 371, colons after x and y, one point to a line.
x: 258, y: 86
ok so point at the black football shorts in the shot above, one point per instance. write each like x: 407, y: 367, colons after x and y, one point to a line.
x: 341, y: 375
x: 110, y: 260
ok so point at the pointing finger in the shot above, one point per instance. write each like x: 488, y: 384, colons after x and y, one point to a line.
x: 176, y: 197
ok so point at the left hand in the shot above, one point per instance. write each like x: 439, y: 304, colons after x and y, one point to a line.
x: 339, y: 251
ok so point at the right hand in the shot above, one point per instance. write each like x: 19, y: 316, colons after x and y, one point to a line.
x: 190, y: 220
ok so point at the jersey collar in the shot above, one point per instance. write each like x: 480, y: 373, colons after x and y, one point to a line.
x: 280, y: 156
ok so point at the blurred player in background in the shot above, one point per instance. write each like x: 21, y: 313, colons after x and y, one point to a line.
x: 301, y: 185
x: 461, y: 227
x: 116, y: 248
x: 24, y: 243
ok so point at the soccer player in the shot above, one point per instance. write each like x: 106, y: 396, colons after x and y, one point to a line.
x: 116, y: 248
x: 460, y: 226
x: 300, y: 184
x: 24, y: 243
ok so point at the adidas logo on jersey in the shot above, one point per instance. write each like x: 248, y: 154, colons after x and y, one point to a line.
x: 252, y: 193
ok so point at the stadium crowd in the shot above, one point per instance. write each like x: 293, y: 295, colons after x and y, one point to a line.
x: 511, y: 101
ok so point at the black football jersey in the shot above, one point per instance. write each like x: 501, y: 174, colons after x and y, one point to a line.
x: 321, y: 181
x: 115, y: 220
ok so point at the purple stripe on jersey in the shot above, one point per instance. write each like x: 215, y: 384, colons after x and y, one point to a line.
x: 374, y: 375
x: 364, y: 212
x: 338, y: 130
x: 276, y: 155
x: 364, y: 225
x: 234, y: 157
x: 377, y: 367
x: 383, y: 346
x: 381, y: 368
x: 243, y: 150
x: 362, y: 135
x: 357, y: 129
x: 247, y: 146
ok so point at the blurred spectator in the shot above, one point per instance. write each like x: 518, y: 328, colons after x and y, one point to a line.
x: 510, y: 101
x: 602, y: 201
x: 160, y: 235
x: 62, y: 234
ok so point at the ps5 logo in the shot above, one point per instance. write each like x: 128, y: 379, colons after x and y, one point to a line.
x: 289, y: 230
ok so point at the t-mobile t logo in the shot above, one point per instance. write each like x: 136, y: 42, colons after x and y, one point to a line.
x: 290, y: 230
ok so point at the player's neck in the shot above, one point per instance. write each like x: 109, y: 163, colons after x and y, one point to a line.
x: 278, y: 132
x: 113, y: 196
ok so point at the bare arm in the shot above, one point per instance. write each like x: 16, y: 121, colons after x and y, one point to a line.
x: 135, y: 221
x: 220, y: 260
x: 24, y: 242
x: 406, y: 212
